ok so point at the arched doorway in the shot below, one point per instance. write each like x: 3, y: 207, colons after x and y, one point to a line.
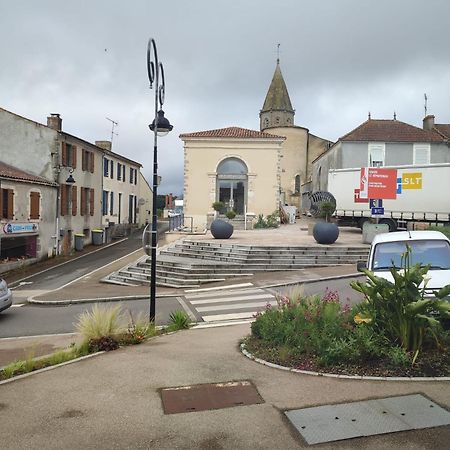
x: 232, y: 185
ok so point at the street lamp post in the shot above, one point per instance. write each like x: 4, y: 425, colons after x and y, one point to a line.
x: 160, y: 126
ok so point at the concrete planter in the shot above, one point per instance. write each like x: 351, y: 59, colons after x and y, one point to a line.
x: 221, y: 229
x: 325, y: 232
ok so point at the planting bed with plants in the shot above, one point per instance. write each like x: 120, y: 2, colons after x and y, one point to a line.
x: 396, y: 331
x: 102, y: 329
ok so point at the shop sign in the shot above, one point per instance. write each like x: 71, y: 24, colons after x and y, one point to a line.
x: 16, y: 228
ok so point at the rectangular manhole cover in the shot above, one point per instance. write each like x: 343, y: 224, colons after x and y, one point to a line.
x: 203, y: 397
x: 349, y: 420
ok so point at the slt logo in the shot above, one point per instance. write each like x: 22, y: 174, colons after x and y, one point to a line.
x: 409, y: 180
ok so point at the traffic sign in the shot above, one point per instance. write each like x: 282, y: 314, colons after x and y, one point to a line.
x: 376, y: 203
x: 377, y: 211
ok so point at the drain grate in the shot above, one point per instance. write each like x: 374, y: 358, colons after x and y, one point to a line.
x: 203, y: 397
x: 349, y: 420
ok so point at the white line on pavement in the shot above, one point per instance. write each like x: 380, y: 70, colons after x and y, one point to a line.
x: 236, y: 306
x: 223, y: 294
x: 230, y: 286
x: 232, y: 299
x: 218, y: 317
x: 17, y: 305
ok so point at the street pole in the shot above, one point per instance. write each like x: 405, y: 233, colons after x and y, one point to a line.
x: 162, y: 126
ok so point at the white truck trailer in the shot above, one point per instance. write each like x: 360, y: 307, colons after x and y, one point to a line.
x: 422, y: 195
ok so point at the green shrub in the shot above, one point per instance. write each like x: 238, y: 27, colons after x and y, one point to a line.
x: 100, y: 322
x: 231, y: 214
x: 326, y: 210
x: 179, y: 320
x: 399, y: 310
x: 271, y: 221
x: 138, y: 330
x: 260, y: 222
x: 218, y: 206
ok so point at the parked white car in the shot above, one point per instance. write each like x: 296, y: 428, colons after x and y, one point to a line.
x: 5, y: 295
x: 427, y: 247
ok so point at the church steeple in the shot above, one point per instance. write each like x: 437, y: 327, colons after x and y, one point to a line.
x: 277, y: 110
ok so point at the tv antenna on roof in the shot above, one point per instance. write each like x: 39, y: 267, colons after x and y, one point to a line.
x: 114, y: 124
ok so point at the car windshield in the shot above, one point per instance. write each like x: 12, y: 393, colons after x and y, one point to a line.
x: 434, y: 252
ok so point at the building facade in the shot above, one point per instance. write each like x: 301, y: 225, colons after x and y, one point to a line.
x: 27, y: 222
x: 236, y: 166
x: 379, y: 143
x: 121, y: 187
x: 77, y: 168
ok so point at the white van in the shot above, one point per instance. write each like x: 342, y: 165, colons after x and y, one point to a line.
x: 427, y: 247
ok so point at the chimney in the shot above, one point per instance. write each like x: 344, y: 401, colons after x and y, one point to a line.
x: 428, y: 122
x: 54, y: 121
x: 105, y: 145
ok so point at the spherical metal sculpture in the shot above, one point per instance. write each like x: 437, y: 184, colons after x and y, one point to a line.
x: 221, y: 229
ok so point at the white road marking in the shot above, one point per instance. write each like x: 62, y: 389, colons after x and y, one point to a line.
x: 234, y: 316
x: 232, y: 299
x: 221, y: 288
x: 17, y: 305
x: 235, y: 306
x: 224, y: 294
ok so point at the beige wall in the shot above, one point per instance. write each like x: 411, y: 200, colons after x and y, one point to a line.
x: 201, y: 158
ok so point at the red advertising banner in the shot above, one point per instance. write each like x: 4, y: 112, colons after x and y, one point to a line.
x: 378, y: 183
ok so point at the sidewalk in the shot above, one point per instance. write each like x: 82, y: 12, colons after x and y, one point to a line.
x: 112, y: 401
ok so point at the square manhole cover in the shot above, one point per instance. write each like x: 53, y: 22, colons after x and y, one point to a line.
x: 203, y: 397
x: 349, y: 420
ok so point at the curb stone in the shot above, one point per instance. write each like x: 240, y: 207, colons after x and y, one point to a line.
x: 333, y: 375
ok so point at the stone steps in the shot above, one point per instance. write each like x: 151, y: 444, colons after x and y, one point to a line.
x: 193, y: 263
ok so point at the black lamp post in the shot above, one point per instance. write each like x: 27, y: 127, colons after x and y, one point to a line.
x: 160, y: 127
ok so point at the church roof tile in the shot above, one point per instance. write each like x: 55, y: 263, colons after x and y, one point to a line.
x: 231, y: 132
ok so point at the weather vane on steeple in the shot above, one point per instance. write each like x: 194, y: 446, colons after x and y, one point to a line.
x: 278, y: 53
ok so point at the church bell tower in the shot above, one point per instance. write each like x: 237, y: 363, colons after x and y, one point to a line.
x: 277, y: 110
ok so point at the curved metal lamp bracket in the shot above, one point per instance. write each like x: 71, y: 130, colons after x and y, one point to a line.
x: 155, y: 71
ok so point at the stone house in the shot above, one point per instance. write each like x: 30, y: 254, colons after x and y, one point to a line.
x: 27, y: 222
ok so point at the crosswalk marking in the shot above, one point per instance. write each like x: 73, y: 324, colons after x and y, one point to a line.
x: 224, y: 293
x: 232, y: 299
x: 226, y: 304
x: 237, y: 306
x: 224, y: 317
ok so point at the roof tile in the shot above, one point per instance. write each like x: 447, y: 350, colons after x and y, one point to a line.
x: 231, y: 132
x: 386, y: 130
x: 13, y: 173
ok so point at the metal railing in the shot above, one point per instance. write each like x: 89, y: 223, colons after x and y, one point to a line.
x: 176, y: 222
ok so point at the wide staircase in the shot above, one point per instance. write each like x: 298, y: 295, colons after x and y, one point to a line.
x: 190, y: 263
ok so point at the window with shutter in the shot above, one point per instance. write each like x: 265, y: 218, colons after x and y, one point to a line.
x: 105, y: 167
x: 376, y: 154
x: 91, y: 164
x: 34, y: 205
x: 111, y: 203
x: 74, y: 156
x: 74, y: 200
x: 421, y: 154
x: 112, y: 168
x: 123, y: 172
x: 91, y: 202
x: 105, y: 203
x: 83, y: 159
x: 83, y: 201
x: 63, y: 154
x: 63, y: 195
x: 119, y: 171
x: 7, y: 203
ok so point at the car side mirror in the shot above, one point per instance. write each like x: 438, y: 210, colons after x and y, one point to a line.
x: 361, y: 265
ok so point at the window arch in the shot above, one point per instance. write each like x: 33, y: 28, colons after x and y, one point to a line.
x: 297, y: 184
x: 232, y: 166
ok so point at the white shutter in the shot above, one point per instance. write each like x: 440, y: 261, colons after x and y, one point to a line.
x: 421, y: 154
x: 376, y: 155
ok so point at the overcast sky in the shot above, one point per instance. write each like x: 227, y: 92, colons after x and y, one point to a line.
x: 86, y: 60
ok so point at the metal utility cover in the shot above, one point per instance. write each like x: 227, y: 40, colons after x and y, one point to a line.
x: 349, y: 420
x: 203, y: 397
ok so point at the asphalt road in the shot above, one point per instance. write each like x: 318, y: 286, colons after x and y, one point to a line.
x: 33, y: 320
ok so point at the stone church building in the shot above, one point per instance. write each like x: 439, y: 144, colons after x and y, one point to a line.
x: 251, y: 172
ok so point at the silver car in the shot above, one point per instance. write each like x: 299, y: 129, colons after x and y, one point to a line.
x: 5, y: 295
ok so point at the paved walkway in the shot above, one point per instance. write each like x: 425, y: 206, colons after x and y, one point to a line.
x: 112, y: 401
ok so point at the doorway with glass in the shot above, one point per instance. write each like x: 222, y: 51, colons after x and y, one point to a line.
x: 232, y: 186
